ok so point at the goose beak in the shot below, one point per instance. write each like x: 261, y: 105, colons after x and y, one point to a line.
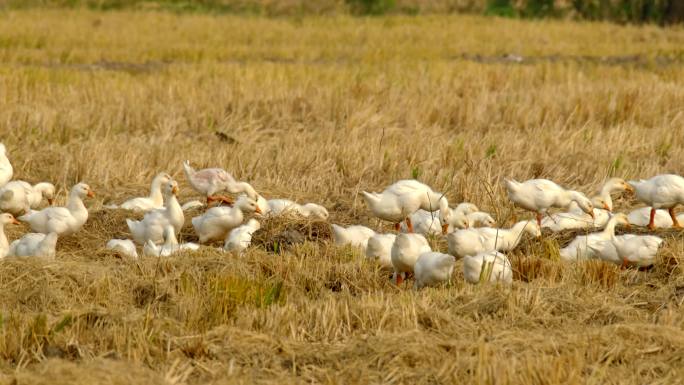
x: 91, y: 194
x: 591, y: 213
x: 174, y: 190
x: 51, y: 201
x: 445, y: 228
x: 605, y: 207
x: 258, y: 210
x: 15, y: 221
x: 629, y: 188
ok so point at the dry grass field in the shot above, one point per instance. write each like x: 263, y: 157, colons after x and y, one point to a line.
x: 317, y: 109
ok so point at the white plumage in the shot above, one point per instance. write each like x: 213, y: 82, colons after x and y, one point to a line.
x: 491, y: 266
x: 432, y: 269
x: 240, y: 237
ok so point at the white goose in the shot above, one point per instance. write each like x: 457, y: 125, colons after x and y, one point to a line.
x: 217, y: 222
x: 427, y: 223
x: 638, y: 250
x: 154, y: 201
x: 6, y: 170
x: 480, y: 219
x: 583, y: 246
x: 459, y: 217
x: 169, y: 247
x: 432, y: 269
x: 19, y: 197
x: 278, y: 207
x: 403, y: 198
x: 151, y: 227
x: 34, y: 245
x: 125, y: 247
x: 474, y: 241
x: 5, y: 219
x: 210, y: 181
x: 379, y: 250
x: 661, y: 192
x: 240, y: 237
x: 629, y: 249
x: 491, y: 266
x: 356, y: 235
x: 405, y: 252
x: 575, y: 218
x: 62, y: 220
x: 539, y: 195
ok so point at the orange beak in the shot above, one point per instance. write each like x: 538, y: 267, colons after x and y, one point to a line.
x: 628, y: 226
x: 174, y: 190
x: 591, y: 213
x: 91, y: 194
x: 629, y: 188
x: 51, y: 201
x: 605, y: 207
x: 258, y: 210
x: 445, y: 228
x: 15, y: 221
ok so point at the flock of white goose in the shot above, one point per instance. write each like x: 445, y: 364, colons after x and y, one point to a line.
x: 413, y: 207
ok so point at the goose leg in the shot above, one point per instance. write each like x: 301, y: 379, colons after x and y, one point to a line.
x: 397, y: 226
x: 400, y: 279
x: 226, y: 199
x: 409, y: 225
x: 675, y: 222
x: 539, y: 219
x: 220, y: 198
x: 625, y: 263
x: 651, y: 222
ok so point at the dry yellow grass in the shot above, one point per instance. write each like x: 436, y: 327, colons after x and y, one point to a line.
x: 316, y: 109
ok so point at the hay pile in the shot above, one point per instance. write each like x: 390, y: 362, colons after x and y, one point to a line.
x: 279, y: 233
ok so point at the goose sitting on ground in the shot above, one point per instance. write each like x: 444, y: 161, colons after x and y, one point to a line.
x: 474, y: 241
x: 356, y: 235
x: 427, y: 223
x: 491, y: 266
x: 169, y: 247
x: 19, y: 197
x: 379, y: 250
x: 6, y: 170
x: 154, y: 201
x: 5, y: 219
x: 405, y: 252
x: 151, y: 227
x: 629, y: 249
x: 240, y: 237
x: 278, y: 207
x: 539, y: 195
x: 211, y: 181
x: 661, y: 192
x: 480, y: 219
x: 575, y: 218
x: 34, y: 245
x: 125, y: 247
x: 217, y: 222
x: 432, y: 269
x: 661, y: 219
x: 582, y: 247
x: 459, y: 217
x: 403, y: 198
x: 62, y: 220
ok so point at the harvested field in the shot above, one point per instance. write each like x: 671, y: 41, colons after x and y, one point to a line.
x: 317, y: 109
